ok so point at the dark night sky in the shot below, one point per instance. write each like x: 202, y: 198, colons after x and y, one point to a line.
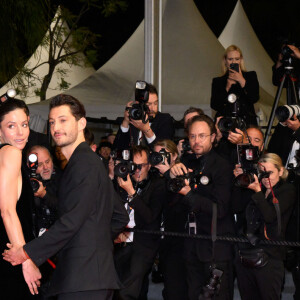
x: 271, y: 20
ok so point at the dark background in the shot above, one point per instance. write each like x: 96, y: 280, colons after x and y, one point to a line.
x: 272, y: 21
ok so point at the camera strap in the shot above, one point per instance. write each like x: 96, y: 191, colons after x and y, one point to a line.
x: 214, y: 228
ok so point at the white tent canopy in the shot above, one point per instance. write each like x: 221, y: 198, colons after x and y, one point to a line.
x: 74, y: 74
x: 191, y: 57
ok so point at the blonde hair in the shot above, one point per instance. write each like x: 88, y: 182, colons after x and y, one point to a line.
x: 229, y: 49
x: 276, y: 161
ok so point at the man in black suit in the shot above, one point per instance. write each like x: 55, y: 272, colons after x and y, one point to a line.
x: 200, y: 198
x: 89, y: 210
x: 143, y: 197
x: 134, y: 132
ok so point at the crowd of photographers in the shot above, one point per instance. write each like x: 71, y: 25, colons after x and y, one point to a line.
x: 217, y: 181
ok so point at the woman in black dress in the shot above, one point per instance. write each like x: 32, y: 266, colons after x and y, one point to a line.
x: 238, y: 81
x: 15, y: 206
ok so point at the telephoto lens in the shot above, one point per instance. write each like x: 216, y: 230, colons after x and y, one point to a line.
x: 286, y: 112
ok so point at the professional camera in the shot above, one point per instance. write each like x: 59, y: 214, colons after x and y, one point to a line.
x: 195, y: 178
x: 124, y: 168
x: 139, y: 110
x: 234, y: 121
x: 248, y: 156
x: 286, y: 112
x: 33, y: 164
x: 213, y: 286
x: 125, y: 165
x: 160, y: 157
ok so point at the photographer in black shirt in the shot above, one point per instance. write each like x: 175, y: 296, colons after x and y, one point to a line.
x: 260, y: 268
x: 203, y: 257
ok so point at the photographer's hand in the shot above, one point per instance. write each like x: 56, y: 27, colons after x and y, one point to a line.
x: 295, y: 50
x: 186, y: 188
x: 125, y: 122
x: 126, y: 185
x: 219, y: 133
x: 178, y: 169
x: 238, y: 170
x: 293, y: 124
x: 163, y: 167
x: 41, y: 192
x: 144, y: 127
x: 236, y: 137
x: 255, y: 186
x: 237, y: 77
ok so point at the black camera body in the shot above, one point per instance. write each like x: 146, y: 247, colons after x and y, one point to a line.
x: 248, y: 157
x: 227, y: 124
x: 195, y: 178
x: 124, y: 168
x: 139, y: 110
x: 160, y: 157
x: 33, y: 164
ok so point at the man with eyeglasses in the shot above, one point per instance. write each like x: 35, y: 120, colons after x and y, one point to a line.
x: 199, y: 254
x: 143, y: 197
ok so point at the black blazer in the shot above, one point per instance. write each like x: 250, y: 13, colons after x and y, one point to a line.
x: 200, y: 202
x: 88, y: 207
x: 248, y: 96
x: 162, y: 126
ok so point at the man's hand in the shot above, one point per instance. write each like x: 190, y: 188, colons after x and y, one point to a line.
x: 186, y: 188
x: 15, y: 255
x: 32, y: 276
x: 236, y: 137
x: 126, y: 185
x: 295, y: 50
x: 238, y: 170
x: 294, y: 124
x: 122, y: 237
x: 41, y: 192
x: 126, y: 120
x: 178, y: 169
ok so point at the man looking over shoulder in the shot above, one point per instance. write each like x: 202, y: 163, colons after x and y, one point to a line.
x: 88, y: 208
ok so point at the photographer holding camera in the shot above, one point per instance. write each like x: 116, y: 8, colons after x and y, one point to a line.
x: 208, y: 201
x: 45, y: 197
x: 143, y: 198
x: 260, y: 269
x: 143, y: 123
x: 235, y: 78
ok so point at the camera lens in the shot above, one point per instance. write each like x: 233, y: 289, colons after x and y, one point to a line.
x: 243, y: 180
x: 226, y: 124
x: 155, y: 158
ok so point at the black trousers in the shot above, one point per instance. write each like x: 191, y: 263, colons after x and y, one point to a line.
x: 173, y: 269
x: 260, y: 284
x: 199, y: 273
x: 90, y: 295
x: 131, y: 267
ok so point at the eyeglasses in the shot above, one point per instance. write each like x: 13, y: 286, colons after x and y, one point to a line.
x: 140, y: 166
x: 202, y: 136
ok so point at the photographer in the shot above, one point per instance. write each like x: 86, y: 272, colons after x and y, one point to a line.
x: 174, y: 220
x: 45, y: 198
x: 260, y: 269
x: 204, y: 257
x: 143, y: 198
x: 235, y: 80
x: 287, y: 64
x: 155, y: 126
